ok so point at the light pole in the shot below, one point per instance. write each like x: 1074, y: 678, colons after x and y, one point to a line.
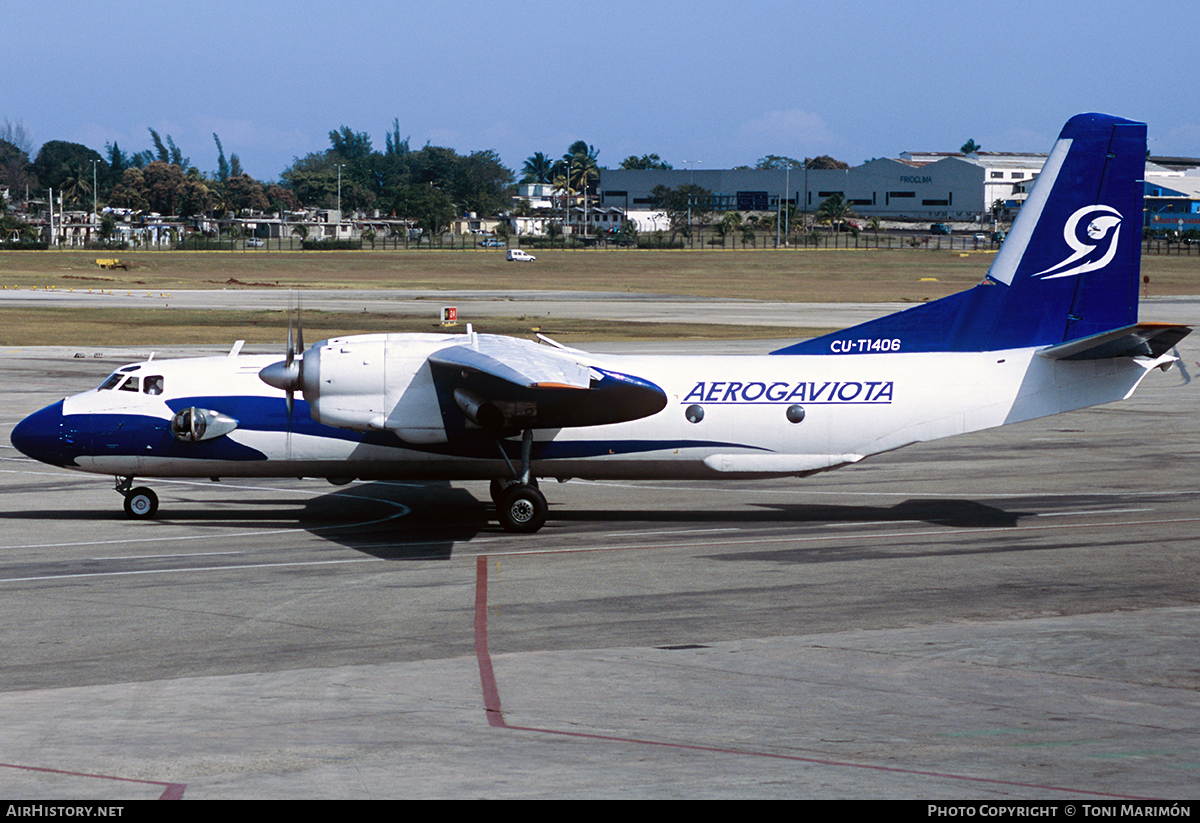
x: 691, y: 184
x: 95, y: 217
x: 339, y: 222
x: 804, y: 227
x: 787, y: 195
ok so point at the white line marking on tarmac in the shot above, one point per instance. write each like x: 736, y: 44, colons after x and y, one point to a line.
x: 1095, y: 511
x: 670, y: 532
x: 193, y: 569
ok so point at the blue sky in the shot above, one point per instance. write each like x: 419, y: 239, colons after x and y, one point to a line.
x: 714, y: 84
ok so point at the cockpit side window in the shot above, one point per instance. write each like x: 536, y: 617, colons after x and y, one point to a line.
x: 132, y: 384
x: 153, y: 384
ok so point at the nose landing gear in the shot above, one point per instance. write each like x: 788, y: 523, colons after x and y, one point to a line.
x: 141, y: 503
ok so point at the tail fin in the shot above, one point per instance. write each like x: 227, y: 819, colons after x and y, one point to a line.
x: 1069, y: 268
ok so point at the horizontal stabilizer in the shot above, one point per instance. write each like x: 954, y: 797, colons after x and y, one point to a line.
x: 1138, y: 340
x: 520, y: 362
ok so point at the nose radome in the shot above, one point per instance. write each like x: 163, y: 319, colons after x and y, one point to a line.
x: 41, y: 436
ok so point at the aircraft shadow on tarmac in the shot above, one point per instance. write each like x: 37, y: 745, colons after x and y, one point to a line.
x: 442, y: 516
x: 944, y: 512
x: 391, y: 521
x: 436, y: 516
x: 424, y: 521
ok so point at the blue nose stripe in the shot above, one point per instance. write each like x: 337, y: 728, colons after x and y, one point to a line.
x: 43, y: 436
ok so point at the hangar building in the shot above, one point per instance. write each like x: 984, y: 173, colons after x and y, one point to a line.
x: 915, y: 186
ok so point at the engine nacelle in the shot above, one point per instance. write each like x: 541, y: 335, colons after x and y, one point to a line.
x: 375, y: 382
x: 191, y: 425
x: 426, y: 388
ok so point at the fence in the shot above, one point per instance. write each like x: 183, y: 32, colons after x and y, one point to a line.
x: 701, y: 239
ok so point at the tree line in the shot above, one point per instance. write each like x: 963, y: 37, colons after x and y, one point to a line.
x: 158, y: 179
x: 430, y: 184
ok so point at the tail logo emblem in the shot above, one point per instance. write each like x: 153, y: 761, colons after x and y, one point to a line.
x: 1103, y: 222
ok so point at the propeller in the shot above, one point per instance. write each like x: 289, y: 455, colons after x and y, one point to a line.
x: 288, y: 375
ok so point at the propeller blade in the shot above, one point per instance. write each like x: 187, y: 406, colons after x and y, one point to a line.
x: 288, y: 374
x: 291, y: 346
x: 299, y: 324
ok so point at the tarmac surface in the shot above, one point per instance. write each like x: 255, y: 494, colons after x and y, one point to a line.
x: 1008, y: 615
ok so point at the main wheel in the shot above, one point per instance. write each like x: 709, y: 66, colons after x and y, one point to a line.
x: 141, y: 503
x: 522, y: 509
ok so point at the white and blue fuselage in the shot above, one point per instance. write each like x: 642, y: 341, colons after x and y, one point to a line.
x: 726, y: 415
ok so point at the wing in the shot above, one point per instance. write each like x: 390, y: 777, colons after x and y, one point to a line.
x: 505, y: 384
x: 520, y: 362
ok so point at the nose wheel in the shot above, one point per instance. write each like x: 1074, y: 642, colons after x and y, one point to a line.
x: 140, y: 503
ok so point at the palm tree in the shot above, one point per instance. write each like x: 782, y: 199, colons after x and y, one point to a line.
x: 538, y: 169
x: 582, y: 169
x: 562, y: 185
x: 729, y: 224
x: 77, y: 185
x: 833, y: 210
x: 581, y: 163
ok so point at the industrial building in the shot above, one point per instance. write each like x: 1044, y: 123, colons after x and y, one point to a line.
x: 1173, y: 194
x: 929, y: 186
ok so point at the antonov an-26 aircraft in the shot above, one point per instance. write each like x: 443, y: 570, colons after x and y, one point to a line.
x: 1053, y: 327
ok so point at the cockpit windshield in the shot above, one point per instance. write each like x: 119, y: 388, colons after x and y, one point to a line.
x: 111, y: 381
x: 151, y: 384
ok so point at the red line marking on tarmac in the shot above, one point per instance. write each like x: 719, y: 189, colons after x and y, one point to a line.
x: 495, y: 714
x: 171, y: 791
x: 487, y: 677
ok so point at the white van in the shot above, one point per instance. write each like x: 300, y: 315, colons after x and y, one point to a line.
x: 519, y: 255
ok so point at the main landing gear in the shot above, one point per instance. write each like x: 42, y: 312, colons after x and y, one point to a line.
x: 140, y: 503
x: 520, y: 505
